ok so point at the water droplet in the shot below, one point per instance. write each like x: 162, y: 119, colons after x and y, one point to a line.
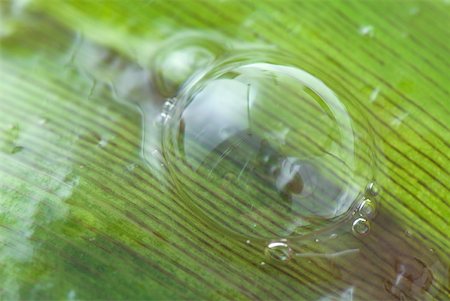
x: 367, y: 30
x: 367, y: 209
x: 181, y: 56
x: 247, y: 241
x: 279, y: 251
x: 372, y: 189
x: 271, y: 143
x: 333, y: 235
x: 374, y: 95
x: 168, y: 105
x: 262, y: 263
x: 361, y: 227
x: 398, y: 119
x: 131, y: 167
x: 103, y: 142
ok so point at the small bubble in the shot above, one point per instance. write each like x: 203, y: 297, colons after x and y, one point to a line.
x: 372, y: 189
x: 103, y: 142
x: 162, y: 118
x: 180, y: 57
x: 279, y: 251
x: 398, y: 119
x: 316, y: 240
x: 131, y: 167
x: 262, y: 263
x: 361, y: 227
x: 247, y: 241
x: 367, y: 209
x: 374, y: 94
x: 367, y: 30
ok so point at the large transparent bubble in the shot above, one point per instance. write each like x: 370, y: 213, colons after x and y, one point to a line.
x: 263, y: 149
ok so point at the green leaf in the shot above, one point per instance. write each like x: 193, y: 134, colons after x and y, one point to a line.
x: 85, y: 215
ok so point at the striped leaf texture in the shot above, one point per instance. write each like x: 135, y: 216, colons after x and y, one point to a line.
x: 98, y: 200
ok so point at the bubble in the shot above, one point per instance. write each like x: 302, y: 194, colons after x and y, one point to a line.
x: 367, y: 209
x: 411, y: 279
x: 264, y: 149
x: 102, y: 142
x: 131, y: 167
x: 372, y: 189
x: 367, y: 30
x: 181, y: 56
x: 374, y: 94
x: 361, y: 227
x: 279, y: 251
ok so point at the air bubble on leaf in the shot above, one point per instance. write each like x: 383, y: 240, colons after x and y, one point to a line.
x: 361, y: 227
x: 367, y: 209
x: 367, y: 30
x: 264, y: 149
x: 374, y: 95
x: 372, y: 189
x: 181, y: 56
x: 279, y: 251
x: 102, y: 142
